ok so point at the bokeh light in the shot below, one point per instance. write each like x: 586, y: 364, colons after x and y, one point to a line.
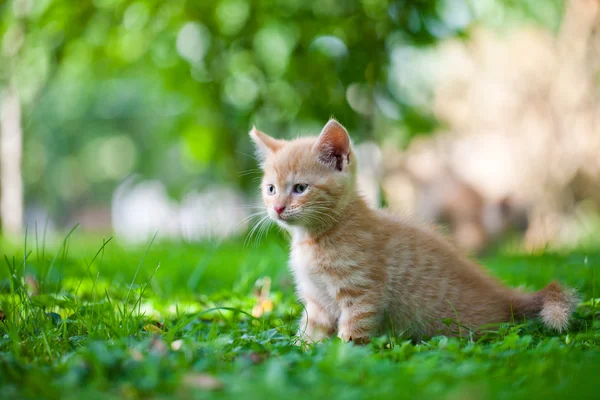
x: 458, y: 96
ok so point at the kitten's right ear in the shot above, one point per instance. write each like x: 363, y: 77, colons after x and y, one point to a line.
x: 265, y: 144
x: 333, y: 145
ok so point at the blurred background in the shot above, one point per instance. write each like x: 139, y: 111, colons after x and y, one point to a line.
x: 132, y: 116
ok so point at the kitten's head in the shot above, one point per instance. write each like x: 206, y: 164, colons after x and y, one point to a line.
x: 307, y: 182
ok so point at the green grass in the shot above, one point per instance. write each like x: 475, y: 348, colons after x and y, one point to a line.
x: 88, y: 319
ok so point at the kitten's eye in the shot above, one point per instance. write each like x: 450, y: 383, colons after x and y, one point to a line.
x: 271, y: 189
x: 300, y: 188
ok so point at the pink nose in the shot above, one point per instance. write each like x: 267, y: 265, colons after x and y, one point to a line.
x: 279, y: 209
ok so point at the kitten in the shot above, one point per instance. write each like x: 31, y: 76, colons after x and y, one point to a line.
x: 359, y: 270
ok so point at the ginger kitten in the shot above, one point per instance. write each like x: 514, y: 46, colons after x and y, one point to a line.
x: 357, y: 268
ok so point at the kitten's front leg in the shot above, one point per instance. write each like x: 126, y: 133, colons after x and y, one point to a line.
x: 316, y: 323
x: 359, y: 320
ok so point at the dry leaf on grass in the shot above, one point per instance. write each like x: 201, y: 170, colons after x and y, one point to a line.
x: 158, y: 345
x: 153, y: 328
x: 202, y: 381
x: 31, y: 282
x: 136, y: 355
x: 176, y: 344
x: 258, y: 358
x: 262, y: 292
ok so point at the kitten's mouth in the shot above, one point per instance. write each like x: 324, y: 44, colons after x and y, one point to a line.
x: 284, y: 218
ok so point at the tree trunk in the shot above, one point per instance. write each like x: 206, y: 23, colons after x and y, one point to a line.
x: 11, y: 149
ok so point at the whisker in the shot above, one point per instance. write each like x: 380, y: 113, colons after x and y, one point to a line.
x: 253, y: 230
x: 250, y: 172
x: 249, y: 218
x: 249, y: 156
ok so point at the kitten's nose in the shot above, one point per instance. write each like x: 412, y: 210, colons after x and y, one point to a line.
x: 279, y: 209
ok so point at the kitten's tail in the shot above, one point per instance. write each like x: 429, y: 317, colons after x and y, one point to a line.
x: 554, y: 305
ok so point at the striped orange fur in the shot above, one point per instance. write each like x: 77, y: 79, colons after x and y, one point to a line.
x: 358, y: 269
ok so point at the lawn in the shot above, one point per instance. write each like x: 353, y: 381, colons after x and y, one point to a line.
x: 93, y: 318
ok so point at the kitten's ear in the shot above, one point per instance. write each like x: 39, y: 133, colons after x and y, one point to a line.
x: 333, y: 145
x: 264, y: 143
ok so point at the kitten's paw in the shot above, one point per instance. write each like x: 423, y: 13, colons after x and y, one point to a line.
x: 347, y: 336
x: 315, y: 335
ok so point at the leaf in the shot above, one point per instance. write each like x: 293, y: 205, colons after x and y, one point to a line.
x: 49, y: 300
x: 202, y: 381
x: 55, y: 318
x: 153, y: 329
x: 78, y: 339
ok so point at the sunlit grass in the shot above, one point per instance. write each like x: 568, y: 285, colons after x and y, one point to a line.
x: 91, y: 317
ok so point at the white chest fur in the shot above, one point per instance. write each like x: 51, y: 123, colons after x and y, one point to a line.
x: 309, y: 262
x: 306, y: 263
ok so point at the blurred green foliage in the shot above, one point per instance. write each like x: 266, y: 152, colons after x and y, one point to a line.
x: 170, y: 89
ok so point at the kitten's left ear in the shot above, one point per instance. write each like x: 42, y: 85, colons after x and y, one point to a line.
x: 264, y: 143
x: 333, y: 145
